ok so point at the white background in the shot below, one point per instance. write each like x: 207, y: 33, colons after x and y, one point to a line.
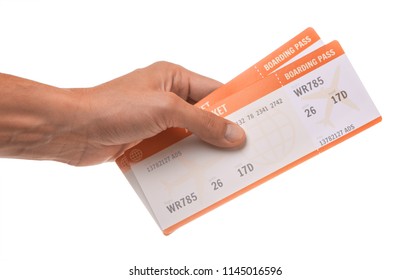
x: 341, y: 215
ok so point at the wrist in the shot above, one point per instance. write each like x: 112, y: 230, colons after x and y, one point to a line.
x: 37, y: 117
x: 70, y: 126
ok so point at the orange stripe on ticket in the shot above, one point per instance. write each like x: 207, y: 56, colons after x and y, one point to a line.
x: 309, y: 62
x: 282, y: 77
x: 263, y: 68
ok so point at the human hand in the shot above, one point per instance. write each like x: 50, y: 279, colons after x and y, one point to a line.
x: 120, y: 113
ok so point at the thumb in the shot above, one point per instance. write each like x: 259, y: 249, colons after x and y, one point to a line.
x: 207, y: 126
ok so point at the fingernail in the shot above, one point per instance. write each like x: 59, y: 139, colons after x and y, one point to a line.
x: 233, y: 133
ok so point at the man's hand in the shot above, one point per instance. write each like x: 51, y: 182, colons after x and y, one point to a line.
x: 93, y: 125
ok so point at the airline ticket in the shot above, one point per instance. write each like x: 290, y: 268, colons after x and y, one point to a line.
x: 294, y: 105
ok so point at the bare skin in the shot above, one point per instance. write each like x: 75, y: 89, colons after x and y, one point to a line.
x: 86, y: 126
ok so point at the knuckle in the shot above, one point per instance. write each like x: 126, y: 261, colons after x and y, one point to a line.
x: 166, y: 65
x: 160, y: 64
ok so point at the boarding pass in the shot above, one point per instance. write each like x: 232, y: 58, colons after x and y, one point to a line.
x: 298, y: 101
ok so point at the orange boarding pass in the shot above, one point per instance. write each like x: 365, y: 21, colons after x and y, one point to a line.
x: 290, y: 115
